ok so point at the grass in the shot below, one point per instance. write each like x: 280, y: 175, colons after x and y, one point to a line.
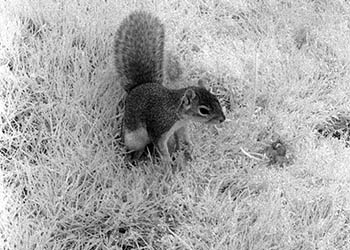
x: 280, y: 68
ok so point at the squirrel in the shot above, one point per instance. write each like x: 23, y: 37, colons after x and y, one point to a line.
x: 154, y: 113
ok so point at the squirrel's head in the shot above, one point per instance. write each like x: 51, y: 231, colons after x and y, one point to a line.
x: 198, y: 104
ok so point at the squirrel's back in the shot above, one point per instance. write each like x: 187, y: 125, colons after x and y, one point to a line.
x: 139, y: 50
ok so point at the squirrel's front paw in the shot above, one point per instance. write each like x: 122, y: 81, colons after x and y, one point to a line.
x: 188, y: 155
x: 189, y: 147
x: 188, y: 150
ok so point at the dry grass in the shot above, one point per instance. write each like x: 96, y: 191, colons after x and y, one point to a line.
x: 281, y: 69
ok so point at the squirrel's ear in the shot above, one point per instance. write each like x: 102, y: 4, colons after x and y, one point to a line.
x: 188, y: 97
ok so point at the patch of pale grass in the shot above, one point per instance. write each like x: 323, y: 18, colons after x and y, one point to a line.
x: 282, y: 69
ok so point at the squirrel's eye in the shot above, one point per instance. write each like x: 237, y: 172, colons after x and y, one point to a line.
x: 203, y: 110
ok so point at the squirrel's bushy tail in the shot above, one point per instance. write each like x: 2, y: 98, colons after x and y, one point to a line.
x: 139, y: 50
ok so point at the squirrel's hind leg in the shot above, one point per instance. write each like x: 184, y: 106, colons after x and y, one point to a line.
x: 136, y: 141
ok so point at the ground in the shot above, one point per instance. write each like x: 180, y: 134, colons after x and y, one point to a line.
x: 269, y: 177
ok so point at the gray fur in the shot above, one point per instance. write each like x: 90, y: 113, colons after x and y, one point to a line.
x: 139, y: 50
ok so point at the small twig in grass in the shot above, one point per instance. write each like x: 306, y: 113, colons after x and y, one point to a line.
x: 255, y: 156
